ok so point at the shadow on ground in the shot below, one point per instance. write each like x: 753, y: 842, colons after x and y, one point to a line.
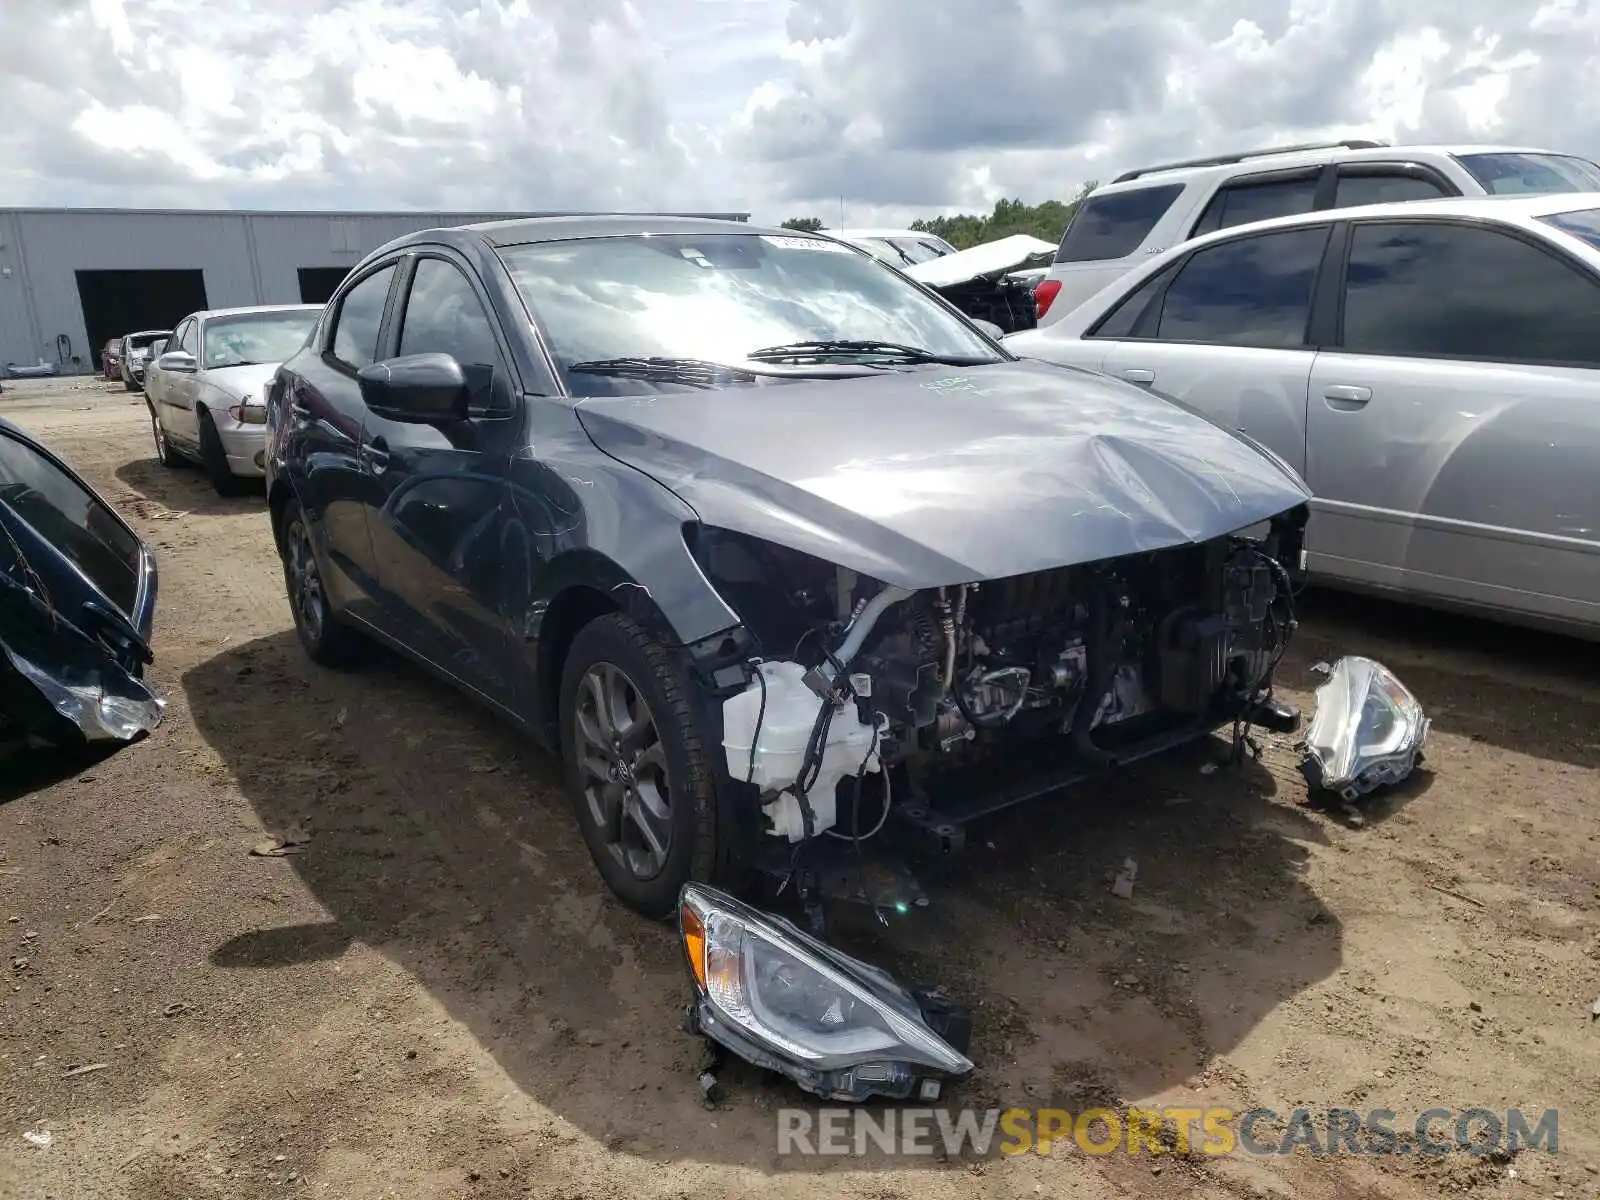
x: 25, y: 771
x: 184, y: 489
x: 442, y: 840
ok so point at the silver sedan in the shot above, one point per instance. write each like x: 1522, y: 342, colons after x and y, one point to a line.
x: 205, y: 391
x: 1432, y: 369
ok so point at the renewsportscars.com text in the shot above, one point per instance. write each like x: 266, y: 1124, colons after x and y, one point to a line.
x: 1260, y: 1131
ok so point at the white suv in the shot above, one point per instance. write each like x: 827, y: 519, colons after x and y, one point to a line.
x: 1143, y: 212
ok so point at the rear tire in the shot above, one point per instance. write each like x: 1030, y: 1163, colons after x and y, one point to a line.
x: 637, y: 771
x: 215, y: 459
x: 327, y: 641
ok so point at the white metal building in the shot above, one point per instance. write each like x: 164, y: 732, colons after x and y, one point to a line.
x: 71, y: 279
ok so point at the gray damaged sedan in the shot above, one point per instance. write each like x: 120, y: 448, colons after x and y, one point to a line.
x: 765, y: 539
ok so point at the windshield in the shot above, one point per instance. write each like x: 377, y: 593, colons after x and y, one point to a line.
x: 1582, y: 223
x: 249, y: 338
x: 143, y: 341
x: 720, y: 297
x: 1522, y: 174
x: 906, y: 252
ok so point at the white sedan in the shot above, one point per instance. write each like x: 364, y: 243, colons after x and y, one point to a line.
x: 205, y: 392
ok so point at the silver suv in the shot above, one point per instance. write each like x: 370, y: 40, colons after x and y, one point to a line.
x: 1146, y: 211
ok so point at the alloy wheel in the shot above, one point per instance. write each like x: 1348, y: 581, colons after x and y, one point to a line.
x: 305, y: 582
x: 624, y: 770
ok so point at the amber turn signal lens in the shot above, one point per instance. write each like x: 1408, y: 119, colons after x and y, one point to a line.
x: 694, y: 942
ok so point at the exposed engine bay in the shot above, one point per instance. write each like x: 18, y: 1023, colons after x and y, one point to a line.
x: 884, y: 689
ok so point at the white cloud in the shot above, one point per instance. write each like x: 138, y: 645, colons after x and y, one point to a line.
x: 898, y: 107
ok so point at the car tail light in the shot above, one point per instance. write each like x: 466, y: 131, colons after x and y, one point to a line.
x: 1044, y: 295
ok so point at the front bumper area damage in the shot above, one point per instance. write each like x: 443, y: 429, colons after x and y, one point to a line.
x: 941, y: 705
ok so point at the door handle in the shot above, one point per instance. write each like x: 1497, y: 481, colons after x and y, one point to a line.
x: 375, y: 454
x: 1139, y: 375
x: 1345, y: 397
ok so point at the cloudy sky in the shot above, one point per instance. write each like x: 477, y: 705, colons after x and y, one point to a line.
x: 780, y: 107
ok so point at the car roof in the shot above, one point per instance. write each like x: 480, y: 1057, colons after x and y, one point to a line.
x: 147, y: 333
x: 207, y: 314
x: 523, y: 231
x: 1492, y: 208
x: 1267, y: 159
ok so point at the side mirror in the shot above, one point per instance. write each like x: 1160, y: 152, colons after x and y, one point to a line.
x: 178, y: 362
x: 990, y: 328
x: 424, y: 389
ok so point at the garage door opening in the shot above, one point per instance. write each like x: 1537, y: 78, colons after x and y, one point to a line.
x: 317, y: 283
x: 119, y: 302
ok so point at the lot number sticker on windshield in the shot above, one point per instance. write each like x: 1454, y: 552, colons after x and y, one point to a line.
x: 805, y: 243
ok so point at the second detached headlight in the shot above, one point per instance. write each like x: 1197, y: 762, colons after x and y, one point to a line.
x: 783, y: 1000
x: 1369, y: 730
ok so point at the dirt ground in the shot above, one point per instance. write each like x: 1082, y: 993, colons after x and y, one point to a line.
x: 437, y: 999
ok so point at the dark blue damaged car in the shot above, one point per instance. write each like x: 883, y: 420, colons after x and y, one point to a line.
x: 767, y: 541
x: 77, y: 598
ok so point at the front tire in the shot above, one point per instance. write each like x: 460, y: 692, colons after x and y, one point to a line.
x: 215, y: 459
x: 327, y: 641
x: 167, y: 456
x: 638, y: 773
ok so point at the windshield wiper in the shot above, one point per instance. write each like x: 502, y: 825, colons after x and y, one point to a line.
x: 692, y: 372
x: 848, y: 347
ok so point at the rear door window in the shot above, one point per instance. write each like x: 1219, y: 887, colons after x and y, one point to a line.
x: 1115, y: 224
x: 1244, y: 202
x: 1123, y: 320
x: 72, y: 519
x: 1437, y: 289
x: 1381, y: 188
x: 1251, y: 291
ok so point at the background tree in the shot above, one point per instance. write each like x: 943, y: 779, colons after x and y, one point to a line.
x: 1047, y: 221
x: 805, y: 224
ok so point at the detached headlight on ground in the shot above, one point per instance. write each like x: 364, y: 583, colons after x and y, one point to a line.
x: 1369, y: 730
x: 785, y: 1001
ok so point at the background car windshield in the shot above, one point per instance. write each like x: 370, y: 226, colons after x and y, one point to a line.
x: 256, y: 338
x: 143, y: 341
x: 1583, y: 223
x: 1518, y: 174
x: 720, y: 296
x: 909, y: 251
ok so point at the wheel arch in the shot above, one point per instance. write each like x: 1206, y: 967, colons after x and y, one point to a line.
x: 570, y: 591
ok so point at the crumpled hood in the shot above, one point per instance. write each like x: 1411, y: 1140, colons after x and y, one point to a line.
x: 992, y: 259
x: 249, y: 381
x: 949, y: 475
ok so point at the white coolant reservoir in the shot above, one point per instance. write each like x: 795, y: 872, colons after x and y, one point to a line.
x: 778, y: 732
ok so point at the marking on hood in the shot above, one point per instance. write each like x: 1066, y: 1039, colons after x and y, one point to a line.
x: 1223, y: 480
x: 953, y: 383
